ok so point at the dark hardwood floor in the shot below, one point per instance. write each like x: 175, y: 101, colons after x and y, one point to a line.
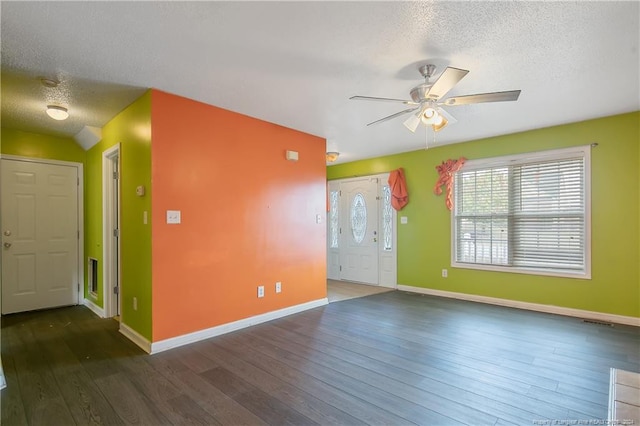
x: 387, y: 359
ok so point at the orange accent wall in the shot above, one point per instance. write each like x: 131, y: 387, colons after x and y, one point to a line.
x: 248, y: 216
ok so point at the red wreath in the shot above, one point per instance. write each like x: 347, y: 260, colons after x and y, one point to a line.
x: 446, y: 171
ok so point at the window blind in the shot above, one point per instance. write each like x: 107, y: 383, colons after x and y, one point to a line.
x: 519, y: 213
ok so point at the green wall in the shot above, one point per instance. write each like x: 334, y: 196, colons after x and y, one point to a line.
x: 35, y: 145
x: 424, y: 245
x: 132, y: 129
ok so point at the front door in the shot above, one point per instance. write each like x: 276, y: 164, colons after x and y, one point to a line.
x: 359, y: 234
x: 39, y: 235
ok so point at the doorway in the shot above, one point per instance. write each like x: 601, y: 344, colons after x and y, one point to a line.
x: 361, y: 231
x: 111, y: 230
x: 41, y: 232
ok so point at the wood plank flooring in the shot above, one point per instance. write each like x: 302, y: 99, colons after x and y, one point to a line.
x: 388, y: 359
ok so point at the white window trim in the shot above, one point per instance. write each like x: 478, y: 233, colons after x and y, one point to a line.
x: 584, y: 150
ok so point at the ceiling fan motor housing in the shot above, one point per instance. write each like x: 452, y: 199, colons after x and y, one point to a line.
x: 420, y: 92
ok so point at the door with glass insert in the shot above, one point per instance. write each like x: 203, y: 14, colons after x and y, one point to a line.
x: 359, y: 237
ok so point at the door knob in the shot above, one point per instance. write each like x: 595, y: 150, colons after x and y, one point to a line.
x: 7, y: 233
x: 7, y: 245
x: 375, y: 240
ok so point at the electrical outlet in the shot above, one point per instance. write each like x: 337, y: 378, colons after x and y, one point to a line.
x: 278, y: 287
x: 135, y: 303
x: 445, y: 273
x: 260, y: 291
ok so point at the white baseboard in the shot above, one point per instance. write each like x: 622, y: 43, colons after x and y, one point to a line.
x: 185, y: 339
x: 135, y: 337
x: 550, y: 309
x: 95, y: 308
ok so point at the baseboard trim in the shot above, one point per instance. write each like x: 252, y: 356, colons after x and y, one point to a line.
x: 95, y: 308
x: 185, y: 339
x: 135, y: 337
x: 550, y: 309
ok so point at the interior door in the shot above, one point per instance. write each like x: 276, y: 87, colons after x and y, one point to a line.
x: 39, y: 235
x: 359, y: 231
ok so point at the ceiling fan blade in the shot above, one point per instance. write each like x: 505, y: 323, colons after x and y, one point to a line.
x: 449, y: 78
x: 397, y: 114
x: 511, y: 95
x: 372, y: 98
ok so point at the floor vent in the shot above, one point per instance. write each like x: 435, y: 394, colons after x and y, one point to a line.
x: 595, y: 322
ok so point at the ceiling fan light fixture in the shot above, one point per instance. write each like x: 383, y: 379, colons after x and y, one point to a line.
x: 441, y: 124
x: 332, y: 156
x: 430, y: 116
x: 57, y: 112
x: 412, y: 122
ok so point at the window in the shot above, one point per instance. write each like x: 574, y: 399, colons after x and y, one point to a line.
x: 358, y: 218
x: 527, y: 213
x: 387, y: 219
x: 334, y: 224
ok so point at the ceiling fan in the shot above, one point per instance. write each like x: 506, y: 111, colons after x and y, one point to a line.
x: 427, y: 103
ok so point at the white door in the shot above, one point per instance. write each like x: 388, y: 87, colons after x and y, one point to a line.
x: 39, y: 235
x: 359, y: 233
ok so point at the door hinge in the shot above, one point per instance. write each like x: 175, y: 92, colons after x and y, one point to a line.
x: 116, y: 290
x: 378, y: 197
x: 78, y: 181
x: 78, y: 287
x: 341, y: 230
x: 340, y: 268
x: 115, y: 175
x: 78, y: 234
x: 116, y: 233
x: 340, y: 193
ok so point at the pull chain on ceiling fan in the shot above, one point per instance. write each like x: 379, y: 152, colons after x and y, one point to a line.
x: 427, y: 103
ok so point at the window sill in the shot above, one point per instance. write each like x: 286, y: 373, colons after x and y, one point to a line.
x: 542, y: 272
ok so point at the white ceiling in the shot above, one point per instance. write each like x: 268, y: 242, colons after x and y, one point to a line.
x: 297, y: 63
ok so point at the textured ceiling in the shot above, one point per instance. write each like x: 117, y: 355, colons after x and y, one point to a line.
x: 297, y: 63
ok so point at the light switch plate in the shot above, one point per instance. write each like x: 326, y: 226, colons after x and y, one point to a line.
x: 173, y: 216
x: 404, y: 220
